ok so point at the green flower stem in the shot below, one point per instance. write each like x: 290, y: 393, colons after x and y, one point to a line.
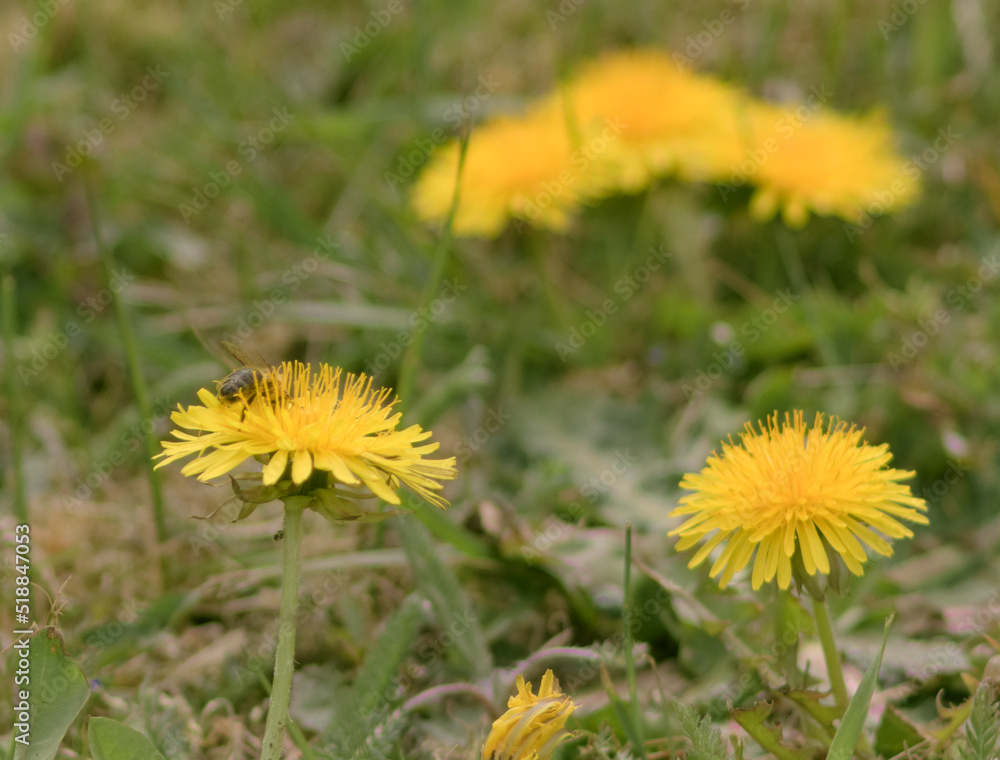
x: 833, y: 668
x: 136, y: 378
x: 284, y: 659
x: 411, y: 358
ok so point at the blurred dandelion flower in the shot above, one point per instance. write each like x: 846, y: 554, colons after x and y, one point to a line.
x: 827, y: 163
x: 533, y: 726
x: 788, y: 490
x: 313, y: 431
x: 524, y: 167
x: 671, y: 120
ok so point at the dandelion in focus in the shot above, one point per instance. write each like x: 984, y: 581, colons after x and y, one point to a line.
x: 322, y: 435
x: 788, y: 492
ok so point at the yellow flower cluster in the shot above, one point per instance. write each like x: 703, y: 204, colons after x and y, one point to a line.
x: 630, y: 117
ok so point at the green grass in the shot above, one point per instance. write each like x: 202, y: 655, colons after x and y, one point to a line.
x: 311, y: 251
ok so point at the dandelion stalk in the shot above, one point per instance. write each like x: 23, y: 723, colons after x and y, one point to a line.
x: 284, y: 658
x: 833, y: 668
x: 326, y: 438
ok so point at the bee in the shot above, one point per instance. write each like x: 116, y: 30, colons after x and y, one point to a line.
x: 244, y: 383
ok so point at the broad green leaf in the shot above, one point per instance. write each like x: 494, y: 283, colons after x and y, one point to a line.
x: 111, y: 740
x: 57, y: 691
x: 895, y: 734
x: 849, y: 732
x: 752, y: 720
x: 791, y: 619
x: 809, y: 701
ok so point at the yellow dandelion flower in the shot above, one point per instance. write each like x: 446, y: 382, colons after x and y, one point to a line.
x: 670, y: 120
x: 803, y: 160
x: 524, y: 167
x: 787, y: 489
x: 533, y: 726
x: 305, y: 424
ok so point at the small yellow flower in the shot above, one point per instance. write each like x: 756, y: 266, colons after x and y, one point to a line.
x: 533, y: 726
x: 520, y: 167
x: 671, y: 120
x: 828, y: 163
x: 326, y: 427
x: 789, y: 489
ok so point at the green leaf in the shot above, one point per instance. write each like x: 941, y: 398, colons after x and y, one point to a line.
x: 706, y: 740
x: 809, y: 701
x: 751, y: 719
x: 57, y: 691
x: 623, y: 712
x: 361, y: 709
x: 111, y: 740
x: 845, y: 741
x: 983, y: 727
x: 791, y: 620
x: 895, y: 734
x: 458, y: 620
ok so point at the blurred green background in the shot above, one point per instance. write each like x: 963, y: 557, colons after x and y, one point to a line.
x: 248, y: 166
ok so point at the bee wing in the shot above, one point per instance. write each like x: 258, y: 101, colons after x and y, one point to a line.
x: 245, y: 357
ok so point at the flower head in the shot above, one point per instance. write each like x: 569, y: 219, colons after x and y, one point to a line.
x: 533, y: 726
x: 790, y: 490
x: 314, y: 431
x: 835, y: 165
x: 670, y: 120
x: 519, y: 167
